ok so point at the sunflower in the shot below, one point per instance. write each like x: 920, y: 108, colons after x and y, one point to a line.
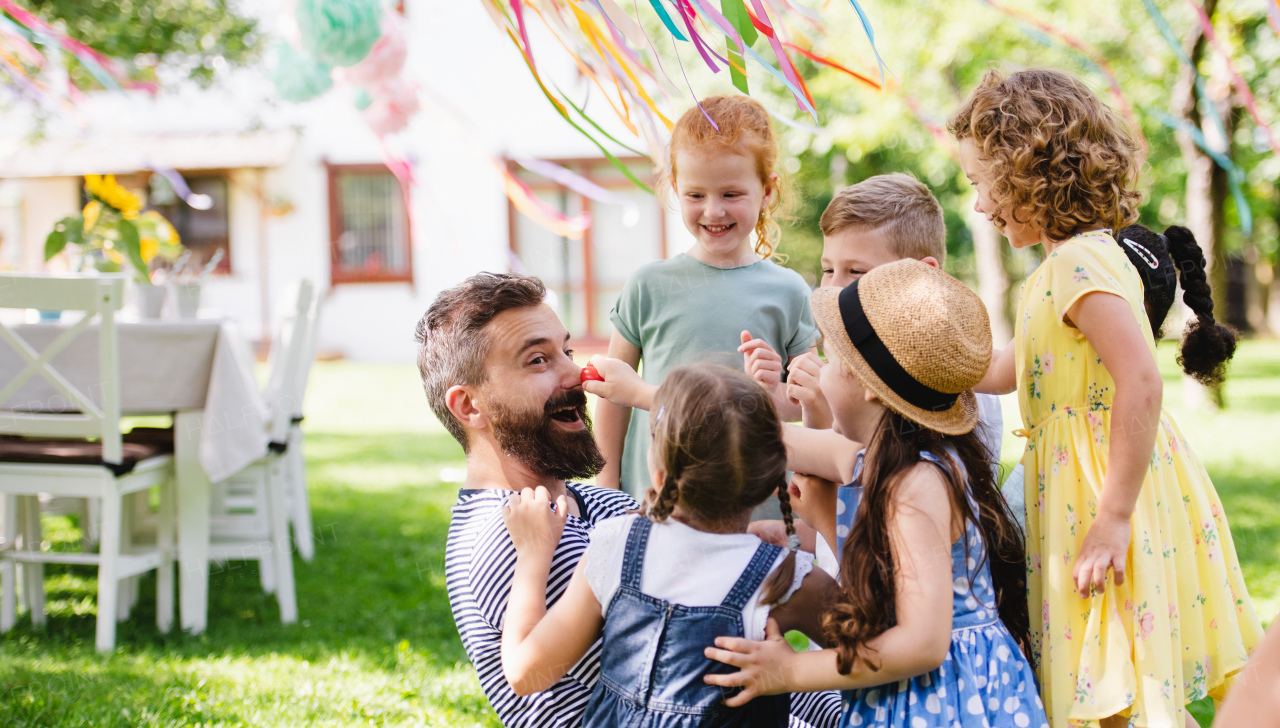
x: 148, y: 247
x: 113, y: 194
x: 91, y: 213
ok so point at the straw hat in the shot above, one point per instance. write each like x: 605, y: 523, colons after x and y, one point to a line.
x: 916, y: 337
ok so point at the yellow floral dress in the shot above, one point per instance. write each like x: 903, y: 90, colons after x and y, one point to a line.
x: 1182, y: 622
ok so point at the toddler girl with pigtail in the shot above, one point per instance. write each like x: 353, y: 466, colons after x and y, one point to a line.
x: 662, y: 585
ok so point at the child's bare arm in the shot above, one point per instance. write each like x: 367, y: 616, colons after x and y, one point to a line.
x: 611, y: 421
x: 1108, y: 323
x: 807, y: 606
x: 620, y: 385
x: 921, y: 541
x: 538, y: 648
x: 813, y: 500
x: 1001, y: 378
x: 824, y: 453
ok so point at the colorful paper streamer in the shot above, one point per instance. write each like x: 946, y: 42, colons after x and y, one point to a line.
x: 1234, y: 174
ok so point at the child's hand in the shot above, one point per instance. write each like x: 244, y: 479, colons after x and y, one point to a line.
x: 762, y: 665
x: 620, y: 385
x: 771, y: 531
x: 761, y: 361
x: 804, y: 389
x: 1106, y: 546
x: 533, y: 526
x: 813, y: 499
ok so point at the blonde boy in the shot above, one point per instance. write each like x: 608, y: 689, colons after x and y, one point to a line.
x: 877, y: 221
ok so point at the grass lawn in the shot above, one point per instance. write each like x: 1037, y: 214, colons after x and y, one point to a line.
x: 376, y: 643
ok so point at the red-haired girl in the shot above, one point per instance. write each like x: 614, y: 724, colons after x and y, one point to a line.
x: 722, y: 297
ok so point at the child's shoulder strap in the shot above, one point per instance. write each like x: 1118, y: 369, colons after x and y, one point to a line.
x: 752, y: 577
x: 633, y: 557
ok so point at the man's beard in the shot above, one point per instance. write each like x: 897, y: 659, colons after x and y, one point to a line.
x: 531, y: 437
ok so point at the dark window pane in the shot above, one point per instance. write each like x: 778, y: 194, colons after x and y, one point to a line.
x: 201, y: 231
x: 373, y: 237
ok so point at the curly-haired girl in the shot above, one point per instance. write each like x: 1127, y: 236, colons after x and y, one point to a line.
x: 1111, y: 483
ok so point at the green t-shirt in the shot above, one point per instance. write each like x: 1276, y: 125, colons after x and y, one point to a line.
x: 682, y: 311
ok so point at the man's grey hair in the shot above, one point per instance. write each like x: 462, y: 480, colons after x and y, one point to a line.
x: 452, y: 344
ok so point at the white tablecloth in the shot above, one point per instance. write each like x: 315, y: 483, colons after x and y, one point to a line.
x: 165, y: 366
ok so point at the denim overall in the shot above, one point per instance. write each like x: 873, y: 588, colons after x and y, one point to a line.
x: 651, y: 663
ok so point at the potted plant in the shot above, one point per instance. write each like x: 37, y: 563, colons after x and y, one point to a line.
x: 112, y: 233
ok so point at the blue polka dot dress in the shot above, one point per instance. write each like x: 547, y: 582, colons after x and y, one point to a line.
x: 984, y: 682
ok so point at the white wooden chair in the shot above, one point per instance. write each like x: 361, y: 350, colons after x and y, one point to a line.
x: 295, y: 467
x: 251, y: 511
x: 77, y: 451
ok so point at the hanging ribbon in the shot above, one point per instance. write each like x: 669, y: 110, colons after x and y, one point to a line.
x: 1234, y: 174
x: 1242, y: 88
x: 1099, y: 62
x: 579, y: 184
x: 832, y: 64
x: 540, y: 212
x: 871, y: 36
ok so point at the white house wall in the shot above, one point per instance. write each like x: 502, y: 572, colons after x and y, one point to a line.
x: 472, y: 79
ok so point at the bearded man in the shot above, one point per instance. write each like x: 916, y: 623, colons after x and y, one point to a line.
x: 499, y: 374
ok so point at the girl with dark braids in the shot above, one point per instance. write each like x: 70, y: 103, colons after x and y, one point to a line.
x: 1136, y: 599
x: 662, y: 584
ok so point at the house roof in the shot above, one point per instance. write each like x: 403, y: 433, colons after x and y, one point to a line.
x: 122, y: 154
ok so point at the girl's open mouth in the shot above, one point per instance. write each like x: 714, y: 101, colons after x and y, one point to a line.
x: 718, y: 229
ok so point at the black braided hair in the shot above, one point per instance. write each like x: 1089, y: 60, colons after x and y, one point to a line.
x: 1207, y: 345
x: 1149, y: 255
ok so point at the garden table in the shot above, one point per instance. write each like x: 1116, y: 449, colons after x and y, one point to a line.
x: 201, y: 372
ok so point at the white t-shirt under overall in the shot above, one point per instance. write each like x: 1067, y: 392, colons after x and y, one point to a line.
x: 684, y: 566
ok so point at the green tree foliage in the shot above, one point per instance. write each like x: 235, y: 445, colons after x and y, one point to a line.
x: 939, y: 51
x: 196, y: 37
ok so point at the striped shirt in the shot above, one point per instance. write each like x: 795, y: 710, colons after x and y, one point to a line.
x: 480, y: 563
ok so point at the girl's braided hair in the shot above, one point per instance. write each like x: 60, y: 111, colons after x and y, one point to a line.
x: 1207, y: 345
x: 718, y: 439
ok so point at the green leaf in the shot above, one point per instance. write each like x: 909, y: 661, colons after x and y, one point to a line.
x: 54, y: 243
x: 132, y: 249
x: 73, y: 229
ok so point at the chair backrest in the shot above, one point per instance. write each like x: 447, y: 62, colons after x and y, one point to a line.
x: 291, y: 348
x: 99, y: 298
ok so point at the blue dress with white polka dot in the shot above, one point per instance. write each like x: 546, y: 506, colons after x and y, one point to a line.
x: 984, y: 682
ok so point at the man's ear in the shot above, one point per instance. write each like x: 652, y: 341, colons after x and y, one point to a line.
x: 931, y: 261
x: 462, y: 405
x: 869, y: 395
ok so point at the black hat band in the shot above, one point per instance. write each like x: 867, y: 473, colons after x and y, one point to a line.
x: 877, y: 355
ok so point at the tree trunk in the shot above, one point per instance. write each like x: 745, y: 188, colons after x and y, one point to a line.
x: 1273, y: 300
x: 1206, y: 192
x: 992, y: 281
x: 1273, y: 283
